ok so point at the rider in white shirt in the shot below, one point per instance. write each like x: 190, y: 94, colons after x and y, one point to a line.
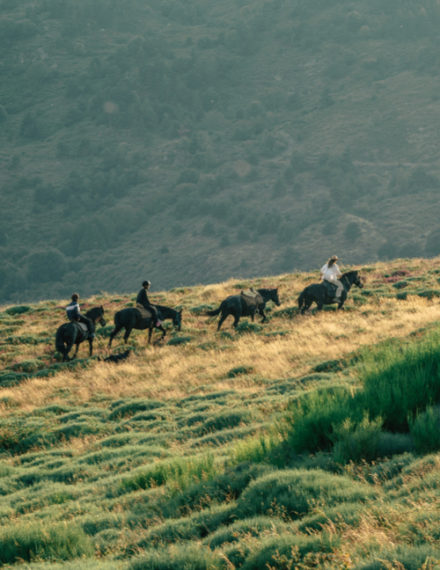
x: 331, y: 272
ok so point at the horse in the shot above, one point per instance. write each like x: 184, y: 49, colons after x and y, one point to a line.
x: 319, y: 292
x: 75, y: 333
x: 244, y: 305
x: 131, y: 318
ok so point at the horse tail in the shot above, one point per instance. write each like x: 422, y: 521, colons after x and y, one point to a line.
x: 301, y: 299
x: 214, y: 312
x: 59, y: 341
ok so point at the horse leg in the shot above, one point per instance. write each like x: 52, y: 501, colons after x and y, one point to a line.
x: 306, y: 307
x: 90, y: 346
x: 76, y: 351
x: 113, y: 334
x: 236, y: 320
x: 150, y: 332
x: 221, y: 320
x: 127, y: 334
x: 65, y: 354
x: 262, y: 313
x: 164, y: 332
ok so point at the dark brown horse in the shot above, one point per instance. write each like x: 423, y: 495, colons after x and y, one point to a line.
x: 75, y: 333
x: 131, y: 318
x: 324, y: 293
x: 245, y: 306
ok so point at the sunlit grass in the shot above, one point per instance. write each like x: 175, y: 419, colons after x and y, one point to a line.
x: 177, y: 441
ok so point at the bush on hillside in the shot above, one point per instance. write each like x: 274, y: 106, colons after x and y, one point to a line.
x: 425, y: 430
x: 18, y: 310
x: 255, y: 526
x: 36, y: 541
x: 397, y: 384
x: 288, y: 550
x: 129, y: 407
x: 357, y: 442
x: 293, y: 493
x: 193, y: 527
x: 182, y: 556
x: 314, y: 416
x: 406, y: 556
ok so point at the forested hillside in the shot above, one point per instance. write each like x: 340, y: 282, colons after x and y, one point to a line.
x: 190, y: 141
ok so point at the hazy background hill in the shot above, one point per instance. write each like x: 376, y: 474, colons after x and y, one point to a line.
x: 190, y: 141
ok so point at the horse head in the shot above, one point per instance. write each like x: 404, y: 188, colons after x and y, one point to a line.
x: 358, y: 280
x: 353, y: 278
x: 97, y: 315
x: 275, y: 297
x: 177, y: 320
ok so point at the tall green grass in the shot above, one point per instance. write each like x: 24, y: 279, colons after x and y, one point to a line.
x: 33, y: 541
x: 177, y: 473
x: 399, y: 385
x: 400, y: 381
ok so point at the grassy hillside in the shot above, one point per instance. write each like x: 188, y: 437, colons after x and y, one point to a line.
x: 190, y: 142
x: 308, y: 441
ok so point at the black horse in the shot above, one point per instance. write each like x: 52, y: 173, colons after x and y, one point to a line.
x: 244, y: 305
x: 131, y: 318
x: 324, y: 293
x: 75, y: 333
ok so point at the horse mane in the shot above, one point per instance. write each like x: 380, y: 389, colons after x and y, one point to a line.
x: 353, y: 272
x: 95, y: 312
x: 167, y: 311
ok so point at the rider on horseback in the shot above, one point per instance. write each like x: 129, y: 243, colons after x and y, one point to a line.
x: 143, y: 304
x: 73, y: 314
x: 330, y: 272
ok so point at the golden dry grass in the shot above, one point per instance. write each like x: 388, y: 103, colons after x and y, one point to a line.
x: 173, y: 371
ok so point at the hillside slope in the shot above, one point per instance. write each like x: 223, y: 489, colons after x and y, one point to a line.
x: 307, y: 441
x: 190, y: 142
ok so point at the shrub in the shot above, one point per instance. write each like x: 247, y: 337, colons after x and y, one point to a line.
x: 225, y: 420
x: 254, y: 526
x: 8, y: 379
x: 197, y: 525
x: 31, y: 541
x: 294, y: 492
x: 408, y: 557
x: 180, y: 557
x: 28, y: 365
x: 226, y: 486
x: 330, y: 366
x: 179, y: 473
x: 125, y: 408
x: 239, y: 370
x: 400, y: 284
x: 348, y: 514
x: 18, y: 310
x: 356, y: 442
x: 402, y: 296
x: 425, y: 430
x: 248, y: 327
x: 399, y: 383
x: 177, y: 340
x: 287, y: 550
x: 314, y: 416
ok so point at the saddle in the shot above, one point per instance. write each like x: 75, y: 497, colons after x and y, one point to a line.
x: 251, y: 297
x: 330, y: 289
x: 145, y: 313
x: 83, y: 328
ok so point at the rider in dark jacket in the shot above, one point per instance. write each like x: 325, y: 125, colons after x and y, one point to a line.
x: 73, y: 314
x: 142, y: 302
